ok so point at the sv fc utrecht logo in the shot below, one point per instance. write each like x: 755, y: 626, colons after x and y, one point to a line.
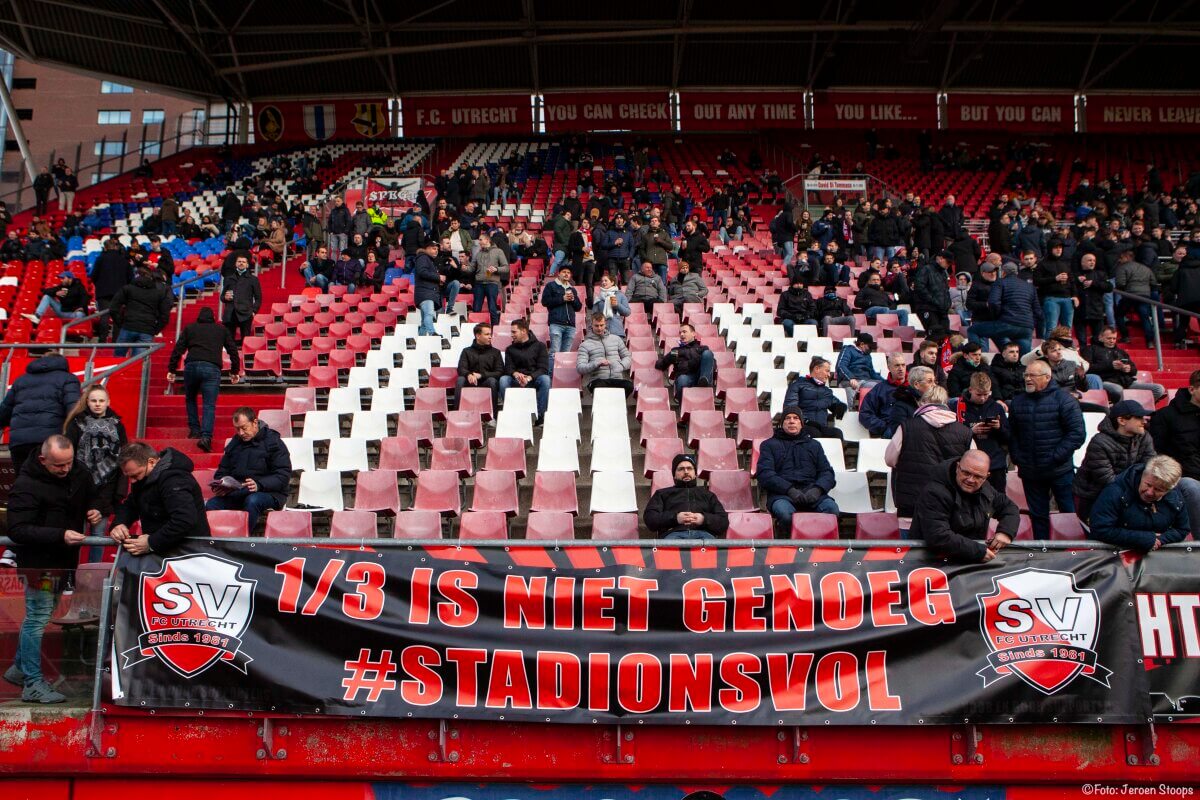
x: 1042, y: 629
x: 194, y: 613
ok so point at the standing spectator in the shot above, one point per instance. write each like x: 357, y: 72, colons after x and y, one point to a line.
x: 68, y: 185
x: 931, y: 294
x: 1016, y: 309
x: 932, y: 435
x: 1008, y: 373
x: 563, y: 228
x: 964, y: 253
x: 884, y: 234
x: 1115, y: 367
x: 794, y: 471
x: 42, y: 185
x: 988, y: 421
x: 360, y: 223
x: 691, y: 363
x: 1047, y: 429
x: 612, y: 303
x: 169, y: 211
x: 203, y: 341
x: 796, y: 307
x: 688, y: 286
x: 37, y: 404
x: 854, y: 365
x: 951, y: 216
x: 481, y: 364
x: 1137, y: 279
x: 231, y: 211
x: 604, y: 356
x: 163, y: 496
x: 1143, y: 508
x: 339, y: 225
x: 618, y: 245
x: 427, y: 286
x: 242, y: 295
x: 693, y: 245
x: 526, y: 365
x: 955, y: 507
x: 685, y: 510
x: 656, y: 247
x: 1055, y: 284
x: 491, y: 272
x: 562, y: 301
x: 1120, y: 442
x: 1184, y: 288
x: 783, y: 236
x: 314, y: 231
x: 817, y: 402
x: 49, y: 505
x: 583, y: 262
x: 97, y: 434
x: 981, y: 287
x: 646, y: 288
x: 876, y: 407
x: 68, y: 300
x: 906, y: 399
x: 258, y: 460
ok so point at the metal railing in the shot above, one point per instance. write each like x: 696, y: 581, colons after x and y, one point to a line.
x: 1160, y: 306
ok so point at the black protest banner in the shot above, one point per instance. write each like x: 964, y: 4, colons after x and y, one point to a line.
x: 1166, y: 587
x: 740, y: 635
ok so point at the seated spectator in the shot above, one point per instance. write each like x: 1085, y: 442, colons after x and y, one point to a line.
x: 1115, y: 368
x: 527, y: 364
x: 876, y: 407
x: 955, y: 506
x: 480, y: 364
x: 794, y: 471
x: 647, y: 288
x: 1014, y: 304
x: 796, y: 307
x: 347, y: 272
x: 688, y: 286
x: 258, y: 460
x: 959, y: 294
x: 988, y: 421
x: 932, y: 435
x: 854, y: 365
x: 906, y: 399
x: 68, y: 300
x: 816, y: 401
x: 833, y: 310
x: 872, y: 300
x: 1120, y: 442
x: 318, y: 270
x: 1143, y: 508
x: 1008, y: 373
x: 612, y: 303
x: 1067, y: 374
x: 685, y: 510
x: 691, y: 363
x: 967, y: 364
x: 12, y: 249
x: 604, y: 356
x: 163, y: 496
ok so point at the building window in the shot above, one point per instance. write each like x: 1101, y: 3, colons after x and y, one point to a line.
x: 113, y: 117
x: 151, y: 149
x: 110, y: 148
x: 11, y: 146
x: 102, y: 176
x: 153, y: 116
x: 24, y: 83
x: 108, y: 87
x: 24, y: 113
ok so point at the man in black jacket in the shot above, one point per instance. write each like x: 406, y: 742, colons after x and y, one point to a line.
x: 258, y: 460
x: 111, y: 271
x: 141, y: 308
x: 163, y: 495
x: 68, y: 300
x: 203, y: 341
x: 1115, y: 367
x: 953, y: 512
x: 1008, y: 373
x: 231, y: 211
x: 796, y: 307
x: 527, y: 364
x: 242, y: 294
x: 480, y: 364
x: 692, y: 363
x: 685, y: 510
x: 931, y: 294
x: 51, y: 501
x: 339, y: 225
x: 318, y: 270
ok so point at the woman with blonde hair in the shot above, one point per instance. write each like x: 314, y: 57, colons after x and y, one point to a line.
x: 98, y: 435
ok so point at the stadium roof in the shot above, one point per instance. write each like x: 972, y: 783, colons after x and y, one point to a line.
x: 271, y: 49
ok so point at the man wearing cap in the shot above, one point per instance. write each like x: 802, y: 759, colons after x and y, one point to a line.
x: 955, y: 507
x: 1016, y: 311
x: 685, y: 510
x: 981, y: 287
x: 68, y: 300
x: 1055, y: 284
x: 1120, y: 442
x: 854, y: 365
x: 817, y: 403
x: 793, y: 469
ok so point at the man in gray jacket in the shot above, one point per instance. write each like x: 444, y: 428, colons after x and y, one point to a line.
x: 646, y: 288
x: 604, y: 357
x: 657, y: 246
x: 491, y: 272
x: 1135, y: 278
x: 688, y: 287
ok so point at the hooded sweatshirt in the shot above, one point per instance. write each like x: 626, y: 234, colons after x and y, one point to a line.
x: 920, y: 444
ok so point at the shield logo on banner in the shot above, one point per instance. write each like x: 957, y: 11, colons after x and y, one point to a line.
x: 1042, y: 629
x: 194, y: 613
x: 370, y: 119
x: 269, y: 124
x: 320, y: 122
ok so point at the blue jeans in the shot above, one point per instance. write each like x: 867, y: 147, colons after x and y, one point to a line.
x: 541, y: 385
x: 168, y: 228
x: 1056, y: 311
x: 491, y: 291
x: 1037, y: 493
x: 204, y: 379
x: 48, y: 302
x: 1110, y: 299
x: 255, y: 504
x: 782, y: 509
x: 559, y: 257
x: 661, y: 271
x: 313, y: 279
x: 451, y: 295
x: 428, y: 317
x: 1001, y: 333
x: 882, y: 253
x: 130, y: 337
x: 41, y: 596
x: 561, y: 337
x: 901, y: 313
x: 789, y: 326
x: 1093, y: 381
x: 787, y: 251
x: 1144, y: 310
x: 696, y: 534
x: 337, y: 243
x: 707, y: 365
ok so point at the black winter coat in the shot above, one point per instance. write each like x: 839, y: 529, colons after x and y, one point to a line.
x: 76, y: 298
x: 111, y: 271
x: 42, y: 507
x: 142, y: 306
x: 816, y: 401
x: 692, y: 249
x: 685, y: 359
x: 1045, y: 278
x: 904, y: 405
x: 1176, y: 432
x: 931, y: 289
x: 966, y: 252
x: 786, y: 462
x: 958, y: 379
x: 247, y: 297
x: 39, y: 401
x: 666, y: 503
x: 484, y: 359
x: 1091, y: 298
x: 955, y: 523
x: 923, y: 447
x: 1122, y: 518
x: 1008, y: 380
x: 977, y: 300
x: 1047, y: 429
x: 203, y: 341
x: 1185, y: 283
x: 994, y: 442
x: 168, y: 502
x: 529, y: 358
x: 1108, y: 455
x: 264, y: 458
x: 796, y: 305
x: 1100, y: 362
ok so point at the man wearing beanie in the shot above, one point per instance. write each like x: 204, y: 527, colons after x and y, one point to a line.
x: 1055, y: 284
x: 792, y: 467
x: 685, y: 510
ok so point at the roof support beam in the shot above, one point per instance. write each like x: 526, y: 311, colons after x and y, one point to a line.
x: 238, y: 93
x: 530, y: 22
x: 1135, y: 46
x: 680, y: 42
x: 16, y: 7
x: 966, y: 62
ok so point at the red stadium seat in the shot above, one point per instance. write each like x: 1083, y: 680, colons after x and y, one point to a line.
x: 354, y: 524
x: 400, y: 454
x: 483, y: 525
x: 554, y: 491
x: 750, y: 525
x: 615, y: 525
x: 880, y: 525
x: 376, y: 490
x: 432, y: 400
x: 443, y: 377
x: 477, y: 399
x: 1065, y: 527
x: 549, y: 525
x: 695, y: 398
x: 814, y: 526
x: 416, y: 425
x: 323, y: 377
x: 660, y: 453
x: 506, y: 454
x: 452, y: 453
x: 705, y: 425
x: 228, y: 524
x: 277, y: 419
x: 716, y: 455
x: 288, y: 524
x: 418, y: 524
x: 495, y: 491
x: 466, y: 425
x: 732, y: 488
x: 659, y: 425
x: 437, y: 490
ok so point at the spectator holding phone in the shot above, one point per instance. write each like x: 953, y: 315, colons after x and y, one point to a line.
x: 980, y: 411
x: 1115, y: 368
